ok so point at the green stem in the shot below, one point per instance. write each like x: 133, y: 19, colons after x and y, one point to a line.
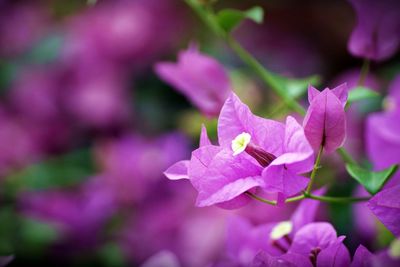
x: 273, y: 202
x: 364, y: 72
x: 328, y: 199
x: 339, y: 200
x: 314, y: 171
x: 268, y: 77
x: 209, y: 19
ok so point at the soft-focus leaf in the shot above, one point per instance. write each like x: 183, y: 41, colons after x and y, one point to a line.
x: 361, y: 93
x: 372, y: 181
x: 36, y: 236
x: 296, y: 87
x: 66, y: 170
x: 228, y: 19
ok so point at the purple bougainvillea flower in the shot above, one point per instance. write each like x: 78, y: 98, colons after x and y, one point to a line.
x: 252, y: 152
x: 377, y: 33
x: 244, y: 240
x: 201, y: 78
x: 325, y: 121
x: 283, y: 174
x: 383, y: 134
x: 319, y: 242
x: 388, y: 257
x: 362, y: 257
x: 264, y: 259
x: 386, y: 207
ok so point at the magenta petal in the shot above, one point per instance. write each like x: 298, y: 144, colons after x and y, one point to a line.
x: 335, y: 255
x: 279, y: 179
x: 314, y: 235
x: 298, y: 154
x: 178, y: 170
x: 386, y: 206
x: 341, y: 92
x: 362, y: 257
x: 204, y: 140
x: 219, y: 176
x: 376, y: 35
x: 244, y: 240
x: 236, y: 118
x: 312, y: 93
x: 228, y: 192
x: 200, y: 78
x: 306, y: 211
x: 325, y: 122
x: 264, y: 259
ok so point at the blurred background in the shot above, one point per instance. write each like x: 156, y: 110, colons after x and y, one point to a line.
x: 87, y: 127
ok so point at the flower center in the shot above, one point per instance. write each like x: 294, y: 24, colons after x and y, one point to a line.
x: 394, y: 250
x: 281, y: 229
x: 242, y: 143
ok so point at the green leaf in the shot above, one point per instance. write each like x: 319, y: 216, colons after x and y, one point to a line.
x: 229, y: 19
x: 297, y: 87
x: 372, y: 181
x: 66, y: 170
x: 361, y: 93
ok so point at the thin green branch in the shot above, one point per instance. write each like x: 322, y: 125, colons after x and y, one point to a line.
x: 364, y: 72
x: 268, y: 77
x: 314, y: 171
x: 338, y: 200
x: 328, y: 199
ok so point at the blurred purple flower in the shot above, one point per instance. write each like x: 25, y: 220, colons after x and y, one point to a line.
x: 386, y: 207
x: 78, y: 215
x: 21, y: 25
x: 383, y: 134
x: 377, y: 33
x: 387, y: 257
x: 319, y: 242
x: 286, y: 260
x: 244, y: 241
x: 17, y: 143
x: 97, y: 97
x: 122, y: 31
x: 201, y: 78
x: 325, y: 121
x: 355, y: 114
x: 134, y: 164
x: 194, y: 235
x: 221, y: 174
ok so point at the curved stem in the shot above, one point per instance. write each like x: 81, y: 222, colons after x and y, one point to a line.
x: 314, y: 171
x: 328, y: 199
x: 339, y: 200
x: 268, y: 77
x: 364, y: 72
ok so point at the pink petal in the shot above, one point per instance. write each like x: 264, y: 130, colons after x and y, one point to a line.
x: 178, y: 170
x: 236, y: 118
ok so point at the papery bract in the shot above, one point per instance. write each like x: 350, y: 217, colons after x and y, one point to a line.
x: 221, y: 174
x: 202, y: 79
x: 244, y: 240
x: 377, y: 33
x: 386, y: 207
x: 319, y: 242
x: 325, y: 121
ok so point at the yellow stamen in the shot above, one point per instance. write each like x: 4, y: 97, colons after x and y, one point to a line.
x: 240, y: 143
